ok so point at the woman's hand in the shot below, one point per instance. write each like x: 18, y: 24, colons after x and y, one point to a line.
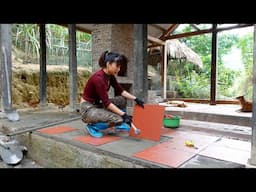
x: 139, y: 102
x: 127, y: 119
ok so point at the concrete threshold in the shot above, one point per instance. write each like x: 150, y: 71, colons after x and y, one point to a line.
x: 211, y: 117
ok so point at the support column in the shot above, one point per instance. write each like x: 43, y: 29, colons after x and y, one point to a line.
x: 6, y: 66
x: 42, y: 78
x: 72, y: 67
x: 252, y: 160
x: 117, y: 38
x: 214, y: 65
x: 101, y: 41
x: 140, y: 66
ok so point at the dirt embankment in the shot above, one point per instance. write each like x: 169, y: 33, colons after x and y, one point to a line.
x: 25, y: 84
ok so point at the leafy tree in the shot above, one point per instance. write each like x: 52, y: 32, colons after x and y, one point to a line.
x: 191, y: 80
x: 245, y: 85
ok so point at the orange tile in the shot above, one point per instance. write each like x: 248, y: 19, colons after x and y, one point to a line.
x: 149, y: 120
x: 56, y: 130
x: 165, y: 154
x: 96, y: 141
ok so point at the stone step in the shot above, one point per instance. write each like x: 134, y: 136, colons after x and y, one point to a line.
x: 218, y: 129
x: 209, y: 117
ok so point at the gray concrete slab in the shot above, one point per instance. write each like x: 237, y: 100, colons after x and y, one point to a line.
x: 200, y: 161
x: 128, y: 146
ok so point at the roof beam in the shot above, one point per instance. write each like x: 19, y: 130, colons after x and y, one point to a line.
x: 158, y: 27
x: 233, y: 27
x: 195, y: 27
x: 155, y: 40
x: 169, y: 31
x: 188, y: 34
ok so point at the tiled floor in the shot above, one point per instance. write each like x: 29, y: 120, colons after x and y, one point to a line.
x: 230, y: 150
x: 170, y: 151
x: 165, y: 154
x: 174, y: 152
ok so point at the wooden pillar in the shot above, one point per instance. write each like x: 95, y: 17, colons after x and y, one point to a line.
x: 42, y: 78
x: 165, y: 73
x: 140, y: 67
x: 214, y: 65
x: 6, y: 66
x: 252, y: 159
x: 72, y: 67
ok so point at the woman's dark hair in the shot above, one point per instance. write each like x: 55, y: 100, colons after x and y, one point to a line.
x: 112, y: 57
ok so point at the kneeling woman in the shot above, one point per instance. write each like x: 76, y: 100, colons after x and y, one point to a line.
x: 97, y: 109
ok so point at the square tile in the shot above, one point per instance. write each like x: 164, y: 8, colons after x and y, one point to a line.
x: 96, y: 141
x: 235, y: 144
x: 179, y: 138
x: 206, y: 162
x: 165, y: 154
x: 56, y: 130
x: 226, y: 153
x: 149, y: 120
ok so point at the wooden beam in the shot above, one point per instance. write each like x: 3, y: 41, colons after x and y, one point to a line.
x: 155, y: 40
x: 154, y: 45
x: 158, y: 27
x: 195, y: 27
x: 169, y: 31
x: 188, y: 34
x: 233, y: 27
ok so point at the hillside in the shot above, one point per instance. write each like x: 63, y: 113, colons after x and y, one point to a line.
x: 25, y: 84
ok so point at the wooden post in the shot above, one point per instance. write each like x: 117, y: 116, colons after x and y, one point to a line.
x: 6, y: 66
x: 252, y: 160
x: 214, y: 65
x: 42, y: 78
x: 141, y: 66
x: 165, y: 72
x: 72, y: 67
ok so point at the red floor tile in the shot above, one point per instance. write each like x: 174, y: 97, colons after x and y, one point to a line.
x: 226, y: 153
x: 96, y: 141
x: 165, y: 154
x: 149, y: 120
x: 56, y: 130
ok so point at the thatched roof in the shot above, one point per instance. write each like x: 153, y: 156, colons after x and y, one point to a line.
x: 178, y: 50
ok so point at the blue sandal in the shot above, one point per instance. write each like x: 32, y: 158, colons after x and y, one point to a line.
x: 93, y: 131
